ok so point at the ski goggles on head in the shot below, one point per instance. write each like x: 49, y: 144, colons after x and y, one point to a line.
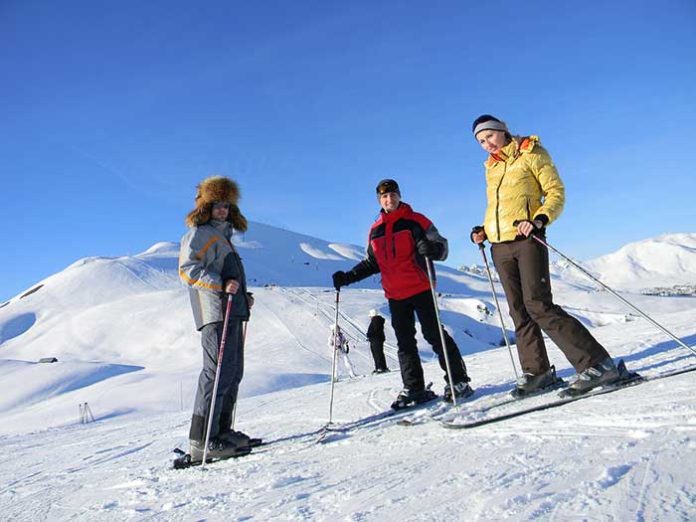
x: 221, y: 204
x: 387, y: 185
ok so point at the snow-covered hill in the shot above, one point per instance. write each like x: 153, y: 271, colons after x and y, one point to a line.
x: 123, y: 335
x: 664, y: 261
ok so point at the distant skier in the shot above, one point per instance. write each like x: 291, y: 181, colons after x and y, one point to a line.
x: 211, y: 267
x: 337, y: 341
x: 399, y: 242
x: 524, y: 187
x: 375, y: 335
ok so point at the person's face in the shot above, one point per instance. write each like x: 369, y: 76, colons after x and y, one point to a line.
x: 491, y: 140
x: 389, y: 201
x: 220, y: 211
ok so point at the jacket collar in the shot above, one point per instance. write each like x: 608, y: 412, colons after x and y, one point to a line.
x: 510, y: 152
x: 224, y: 227
x: 401, y: 211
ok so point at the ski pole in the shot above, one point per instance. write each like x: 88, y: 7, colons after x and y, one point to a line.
x: 334, y: 361
x: 221, y: 351
x: 428, y: 262
x: 482, y: 248
x: 234, y: 410
x: 622, y: 299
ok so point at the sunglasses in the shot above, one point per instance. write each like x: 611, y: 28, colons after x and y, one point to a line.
x: 220, y: 204
x: 386, y: 186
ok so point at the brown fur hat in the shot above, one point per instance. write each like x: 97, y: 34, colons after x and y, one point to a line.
x: 212, y: 190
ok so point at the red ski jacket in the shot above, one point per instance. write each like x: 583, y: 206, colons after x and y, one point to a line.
x: 391, y: 250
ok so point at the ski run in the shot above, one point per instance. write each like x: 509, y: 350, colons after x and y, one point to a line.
x: 625, y: 455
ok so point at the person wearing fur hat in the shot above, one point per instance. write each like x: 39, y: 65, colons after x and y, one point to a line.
x: 212, y: 269
x: 525, y: 195
x: 375, y: 335
x: 400, y: 243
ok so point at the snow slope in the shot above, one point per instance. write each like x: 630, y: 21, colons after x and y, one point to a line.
x: 664, y: 261
x: 122, y: 332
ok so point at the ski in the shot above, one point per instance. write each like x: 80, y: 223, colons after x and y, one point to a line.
x: 333, y: 431
x: 498, y: 402
x: 632, y: 380
x: 421, y: 417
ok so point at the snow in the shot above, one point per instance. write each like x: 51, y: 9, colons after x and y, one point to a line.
x: 124, y: 338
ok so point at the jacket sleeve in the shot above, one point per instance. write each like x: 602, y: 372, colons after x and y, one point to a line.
x: 364, y: 268
x: 433, y: 235
x: 370, y: 331
x: 192, y: 262
x: 551, y: 186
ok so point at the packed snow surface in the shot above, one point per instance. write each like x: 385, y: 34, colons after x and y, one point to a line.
x: 124, y: 338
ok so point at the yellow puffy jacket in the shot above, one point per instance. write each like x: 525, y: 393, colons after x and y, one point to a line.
x: 521, y: 183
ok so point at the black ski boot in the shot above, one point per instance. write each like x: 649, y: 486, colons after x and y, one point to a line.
x: 408, y: 398
x: 240, y: 439
x: 462, y: 390
x: 529, y: 384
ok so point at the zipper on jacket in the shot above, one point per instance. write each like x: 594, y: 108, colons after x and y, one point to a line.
x: 529, y: 213
x: 497, y: 201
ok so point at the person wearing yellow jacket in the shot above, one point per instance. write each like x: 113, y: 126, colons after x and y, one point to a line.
x: 525, y: 195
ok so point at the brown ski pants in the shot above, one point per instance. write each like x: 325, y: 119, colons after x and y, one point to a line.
x: 523, y: 267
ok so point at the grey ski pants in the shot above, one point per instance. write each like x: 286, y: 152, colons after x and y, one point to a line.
x: 231, y: 373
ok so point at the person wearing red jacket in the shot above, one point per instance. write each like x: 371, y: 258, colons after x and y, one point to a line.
x: 400, y: 244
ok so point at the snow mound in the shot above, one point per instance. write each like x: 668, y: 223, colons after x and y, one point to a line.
x: 318, y: 253
x: 348, y: 251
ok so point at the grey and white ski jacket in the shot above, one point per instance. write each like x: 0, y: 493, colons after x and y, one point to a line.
x: 207, y: 259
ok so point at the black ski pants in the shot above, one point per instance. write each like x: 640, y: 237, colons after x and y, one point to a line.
x: 403, y: 312
x: 377, y: 349
x: 231, y: 372
x: 523, y: 267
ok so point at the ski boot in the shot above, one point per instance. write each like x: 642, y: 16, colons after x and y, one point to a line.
x: 529, y: 384
x: 241, y: 439
x: 462, y: 390
x: 601, y: 374
x: 408, y: 398
x: 218, y: 449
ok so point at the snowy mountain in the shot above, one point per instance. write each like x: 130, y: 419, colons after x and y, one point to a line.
x: 665, y: 261
x: 124, y: 338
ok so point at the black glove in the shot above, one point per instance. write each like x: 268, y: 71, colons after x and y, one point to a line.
x: 476, y: 230
x: 428, y: 248
x: 340, y: 279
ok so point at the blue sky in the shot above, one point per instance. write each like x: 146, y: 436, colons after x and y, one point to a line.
x: 113, y: 111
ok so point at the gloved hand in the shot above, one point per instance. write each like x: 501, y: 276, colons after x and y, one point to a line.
x: 428, y: 248
x: 340, y: 279
x: 478, y: 235
x: 526, y: 227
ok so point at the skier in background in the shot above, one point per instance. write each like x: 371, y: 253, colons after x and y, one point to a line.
x: 212, y: 269
x: 375, y: 335
x: 337, y: 341
x: 525, y: 195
